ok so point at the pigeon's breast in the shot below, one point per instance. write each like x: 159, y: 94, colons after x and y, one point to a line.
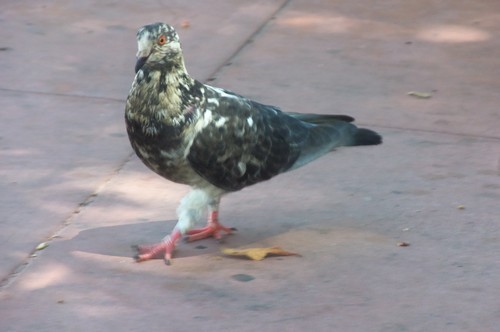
x: 161, y: 147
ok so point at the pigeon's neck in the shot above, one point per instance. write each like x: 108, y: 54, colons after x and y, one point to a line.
x: 169, y: 85
x: 179, y: 92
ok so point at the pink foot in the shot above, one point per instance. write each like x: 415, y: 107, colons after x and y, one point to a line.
x: 213, y: 228
x: 164, y: 248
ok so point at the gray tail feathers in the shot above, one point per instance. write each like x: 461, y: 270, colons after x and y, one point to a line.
x: 345, y: 132
x: 321, y: 118
x: 364, y: 136
x: 328, y: 133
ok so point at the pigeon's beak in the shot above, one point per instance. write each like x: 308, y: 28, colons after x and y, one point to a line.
x: 140, y: 62
x: 142, y: 57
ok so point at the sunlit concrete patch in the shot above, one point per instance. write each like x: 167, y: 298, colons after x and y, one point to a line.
x: 50, y: 276
x: 335, y: 23
x: 330, y: 23
x: 452, y: 34
x: 101, y: 258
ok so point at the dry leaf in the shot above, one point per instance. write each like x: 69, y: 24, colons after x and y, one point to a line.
x: 422, y: 95
x: 258, y: 254
x: 403, y: 244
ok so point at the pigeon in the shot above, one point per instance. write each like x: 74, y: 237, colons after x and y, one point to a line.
x: 214, y: 140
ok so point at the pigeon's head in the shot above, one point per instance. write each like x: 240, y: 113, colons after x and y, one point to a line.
x: 157, y: 43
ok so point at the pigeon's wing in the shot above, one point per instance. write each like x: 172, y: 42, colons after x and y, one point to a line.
x: 239, y: 142
x: 238, y: 148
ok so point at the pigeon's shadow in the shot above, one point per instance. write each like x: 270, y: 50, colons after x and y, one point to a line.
x: 119, y: 240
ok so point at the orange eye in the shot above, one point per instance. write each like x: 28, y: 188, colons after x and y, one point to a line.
x: 162, y: 40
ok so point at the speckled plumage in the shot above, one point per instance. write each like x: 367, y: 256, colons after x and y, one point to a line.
x: 212, y: 139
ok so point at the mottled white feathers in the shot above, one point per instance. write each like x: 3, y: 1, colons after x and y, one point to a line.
x: 191, y: 209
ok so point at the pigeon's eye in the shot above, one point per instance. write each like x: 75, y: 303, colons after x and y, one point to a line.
x: 162, y: 40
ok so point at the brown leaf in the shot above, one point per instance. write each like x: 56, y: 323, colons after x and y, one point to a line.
x: 258, y: 254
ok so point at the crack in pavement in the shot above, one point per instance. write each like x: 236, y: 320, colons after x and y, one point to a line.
x: 248, y: 41
x: 6, y: 281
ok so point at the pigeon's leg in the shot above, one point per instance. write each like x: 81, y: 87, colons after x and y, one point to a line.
x: 165, y: 248
x: 189, y: 211
x: 213, y: 227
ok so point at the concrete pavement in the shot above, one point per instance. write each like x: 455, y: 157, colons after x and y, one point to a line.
x: 69, y: 177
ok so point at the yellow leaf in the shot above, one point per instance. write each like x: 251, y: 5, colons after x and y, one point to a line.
x: 258, y: 254
x: 42, y: 246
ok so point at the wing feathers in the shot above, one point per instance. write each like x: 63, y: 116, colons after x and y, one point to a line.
x: 255, y: 142
x: 257, y: 146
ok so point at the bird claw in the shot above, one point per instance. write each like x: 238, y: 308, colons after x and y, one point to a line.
x: 164, y: 248
x: 212, y: 229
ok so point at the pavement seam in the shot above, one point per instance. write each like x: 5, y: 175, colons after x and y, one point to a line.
x: 248, y: 41
x: 221, y: 67
x: 34, y: 253
x: 55, y: 94
x: 92, y: 197
x: 449, y: 133
x: 211, y: 77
